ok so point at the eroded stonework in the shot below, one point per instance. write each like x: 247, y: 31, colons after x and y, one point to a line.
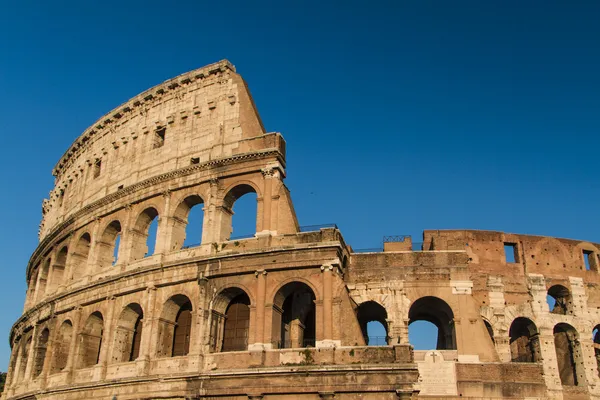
x: 281, y: 314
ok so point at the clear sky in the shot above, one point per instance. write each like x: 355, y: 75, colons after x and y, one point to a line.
x: 399, y: 116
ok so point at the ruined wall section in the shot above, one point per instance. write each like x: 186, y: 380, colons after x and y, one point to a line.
x: 203, y: 115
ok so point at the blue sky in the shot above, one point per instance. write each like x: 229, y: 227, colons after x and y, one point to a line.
x: 399, y: 116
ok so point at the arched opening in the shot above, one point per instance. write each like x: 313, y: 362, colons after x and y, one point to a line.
x: 24, y: 358
x: 240, y: 217
x: 524, y: 341
x: 62, y: 345
x: 42, y: 282
x: 31, y: 292
x: 596, y: 338
x: 109, y: 244
x: 91, y: 340
x: 490, y: 330
x: 12, y: 376
x: 372, y: 319
x: 188, y: 221
x: 559, y: 300
x: 294, y: 316
x: 144, y: 234
x: 79, y: 257
x: 128, y: 334
x: 58, y: 270
x: 175, y: 327
x: 568, y: 355
x: 40, y: 353
x: 437, y: 312
x: 230, y: 321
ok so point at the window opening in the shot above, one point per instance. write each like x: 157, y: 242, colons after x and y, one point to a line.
x: 97, y: 168
x: 294, y: 317
x: 195, y: 160
x: 434, y: 311
x: 372, y: 319
x: 590, y: 260
x: 181, y: 335
x: 237, y: 323
x: 559, y: 300
x: 159, y: 137
x: 568, y: 355
x: 116, y: 249
x: 524, y: 341
x: 510, y: 253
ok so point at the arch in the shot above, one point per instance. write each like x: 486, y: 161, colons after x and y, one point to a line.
x: 438, y: 312
x: 228, y: 230
x: 230, y: 320
x: 79, y: 257
x: 562, y: 300
x: 24, y: 358
x: 108, y: 245
x: 524, y: 341
x: 128, y: 334
x: 62, y: 346
x: 183, y: 223
x: 91, y: 340
x: 58, y: 269
x: 568, y: 355
x: 40, y: 352
x: 42, y: 281
x: 368, y: 312
x: 141, y: 245
x: 294, y: 316
x: 174, y: 329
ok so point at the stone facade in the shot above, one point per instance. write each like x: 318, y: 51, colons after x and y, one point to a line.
x: 281, y: 314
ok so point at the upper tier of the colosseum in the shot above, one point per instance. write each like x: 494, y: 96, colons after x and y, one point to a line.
x: 196, y: 118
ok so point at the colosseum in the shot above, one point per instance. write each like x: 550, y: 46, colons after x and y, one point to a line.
x: 283, y: 313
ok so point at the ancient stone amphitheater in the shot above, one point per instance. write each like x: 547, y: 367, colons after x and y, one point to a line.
x: 281, y: 314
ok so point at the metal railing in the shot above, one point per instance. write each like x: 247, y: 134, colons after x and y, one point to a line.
x: 292, y: 344
x: 395, y: 238
x: 312, y: 228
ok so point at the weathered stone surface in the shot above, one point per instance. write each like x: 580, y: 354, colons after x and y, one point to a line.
x: 281, y: 314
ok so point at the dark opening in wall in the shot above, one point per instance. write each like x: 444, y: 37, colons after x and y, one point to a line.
x: 159, y: 137
x: 97, y: 168
x: 510, y: 253
x: 195, y: 160
x: 559, y: 300
x: 590, y: 261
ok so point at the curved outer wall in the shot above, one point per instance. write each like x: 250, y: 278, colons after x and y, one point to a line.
x: 281, y: 314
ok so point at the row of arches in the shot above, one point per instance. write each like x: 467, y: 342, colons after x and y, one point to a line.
x: 525, y: 347
x: 229, y: 320
x: 148, y: 234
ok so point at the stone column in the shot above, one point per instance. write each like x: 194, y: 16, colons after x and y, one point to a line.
x: 260, y: 322
x: 143, y: 359
x: 53, y: 328
x: 72, y: 357
x: 326, y: 319
x: 268, y: 174
x: 549, y: 361
x: 107, y: 337
x: 162, y: 235
x: 31, y: 353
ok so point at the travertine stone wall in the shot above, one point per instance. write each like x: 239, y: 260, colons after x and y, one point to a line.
x: 282, y: 313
